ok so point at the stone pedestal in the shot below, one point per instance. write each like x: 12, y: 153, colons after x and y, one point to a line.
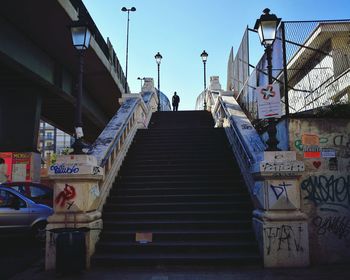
x: 76, y: 198
x: 280, y: 226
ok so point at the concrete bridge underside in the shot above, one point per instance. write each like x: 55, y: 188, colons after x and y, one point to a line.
x: 38, y: 73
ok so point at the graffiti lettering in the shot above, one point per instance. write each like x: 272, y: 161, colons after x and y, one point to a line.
x: 341, y: 140
x: 67, y: 194
x: 330, y: 191
x: 282, y: 166
x: 62, y: 169
x: 246, y: 126
x: 339, y: 226
x: 280, y: 189
x: 283, y: 238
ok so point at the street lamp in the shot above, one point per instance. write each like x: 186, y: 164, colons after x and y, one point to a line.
x: 158, y: 58
x: 267, y: 29
x: 81, y: 36
x: 132, y: 9
x: 141, y: 79
x: 204, y: 57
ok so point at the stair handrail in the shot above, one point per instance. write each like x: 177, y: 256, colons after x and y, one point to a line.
x: 246, y: 153
x: 128, y: 120
x: 242, y: 136
x: 111, y: 146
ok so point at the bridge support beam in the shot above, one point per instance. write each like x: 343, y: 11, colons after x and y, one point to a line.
x: 280, y: 227
x: 19, y: 130
x: 76, y: 195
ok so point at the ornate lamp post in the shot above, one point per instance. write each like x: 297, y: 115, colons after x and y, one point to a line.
x: 158, y: 58
x: 81, y: 36
x: 132, y: 9
x: 141, y: 79
x: 204, y: 57
x: 267, y: 28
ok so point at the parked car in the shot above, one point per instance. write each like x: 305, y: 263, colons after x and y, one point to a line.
x: 19, y: 213
x: 37, y: 192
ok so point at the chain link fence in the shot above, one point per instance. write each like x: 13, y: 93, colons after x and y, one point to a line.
x: 311, y: 65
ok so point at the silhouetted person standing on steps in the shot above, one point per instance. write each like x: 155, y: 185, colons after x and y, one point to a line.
x: 175, y: 101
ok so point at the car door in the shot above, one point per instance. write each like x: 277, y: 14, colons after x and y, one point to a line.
x: 12, y: 217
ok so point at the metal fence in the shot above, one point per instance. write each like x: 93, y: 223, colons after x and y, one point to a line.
x: 311, y: 64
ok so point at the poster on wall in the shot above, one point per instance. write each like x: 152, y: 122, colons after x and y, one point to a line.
x: 17, y: 167
x: 21, y: 167
x: 269, y: 102
x: 6, y: 167
x: 311, y: 145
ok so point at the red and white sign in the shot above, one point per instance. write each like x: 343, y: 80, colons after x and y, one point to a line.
x: 269, y: 102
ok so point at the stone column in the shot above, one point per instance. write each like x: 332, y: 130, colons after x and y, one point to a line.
x: 19, y: 120
x: 76, y: 198
x: 280, y: 226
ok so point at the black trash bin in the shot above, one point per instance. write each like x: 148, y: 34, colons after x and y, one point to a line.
x: 70, y: 250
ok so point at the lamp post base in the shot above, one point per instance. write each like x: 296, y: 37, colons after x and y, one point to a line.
x: 272, y: 142
x: 78, y: 147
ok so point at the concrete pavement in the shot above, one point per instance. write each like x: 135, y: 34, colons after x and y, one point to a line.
x: 325, y: 272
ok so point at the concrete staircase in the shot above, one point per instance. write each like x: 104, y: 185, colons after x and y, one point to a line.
x: 179, y: 182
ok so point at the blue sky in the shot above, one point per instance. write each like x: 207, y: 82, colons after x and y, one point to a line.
x: 181, y: 29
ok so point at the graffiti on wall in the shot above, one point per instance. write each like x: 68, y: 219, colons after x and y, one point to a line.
x: 325, y: 186
x: 329, y: 192
x: 339, y: 226
x: 283, y: 237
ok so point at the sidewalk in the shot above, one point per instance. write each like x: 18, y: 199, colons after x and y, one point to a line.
x: 325, y: 272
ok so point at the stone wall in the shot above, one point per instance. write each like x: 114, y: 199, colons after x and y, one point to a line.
x: 324, y: 147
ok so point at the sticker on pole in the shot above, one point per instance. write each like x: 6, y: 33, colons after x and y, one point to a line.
x: 269, y: 102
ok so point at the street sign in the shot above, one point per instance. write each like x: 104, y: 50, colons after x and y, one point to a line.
x: 269, y: 102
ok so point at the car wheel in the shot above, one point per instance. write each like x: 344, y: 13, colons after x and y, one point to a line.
x: 39, y: 232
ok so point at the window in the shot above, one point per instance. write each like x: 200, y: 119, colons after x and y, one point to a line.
x: 20, y: 189
x: 36, y: 191
x: 7, y: 199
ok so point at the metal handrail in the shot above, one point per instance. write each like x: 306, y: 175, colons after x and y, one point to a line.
x: 242, y: 144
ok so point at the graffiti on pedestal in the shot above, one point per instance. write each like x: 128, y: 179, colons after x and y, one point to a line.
x: 96, y: 170
x: 95, y: 191
x: 283, y: 237
x: 64, y: 197
x: 63, y: 169
x: 295, y: 166
x: 280, y: 189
